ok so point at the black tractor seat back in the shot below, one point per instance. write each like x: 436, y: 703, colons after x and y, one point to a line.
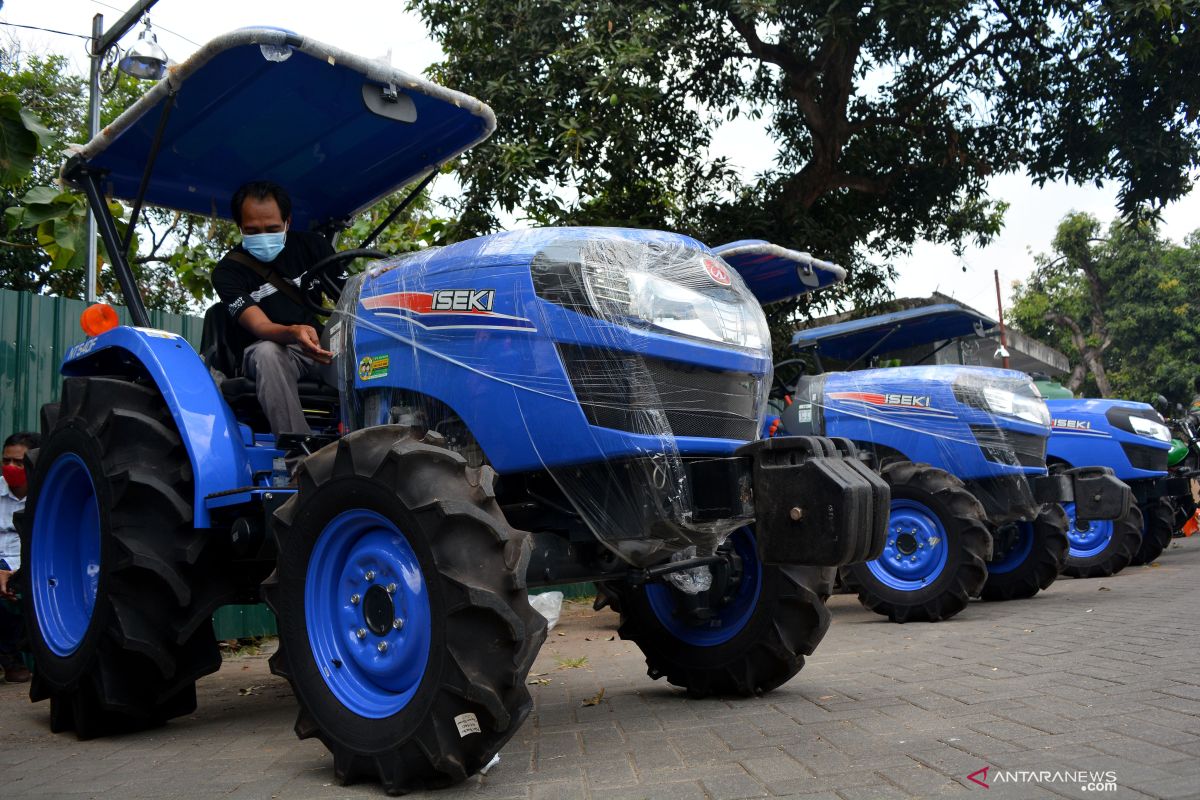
x: 223, y: 344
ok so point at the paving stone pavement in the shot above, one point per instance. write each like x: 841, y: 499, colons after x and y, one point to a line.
x: 1100, y: 675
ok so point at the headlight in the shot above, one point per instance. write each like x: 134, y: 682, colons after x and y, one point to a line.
x: 678, y: 308
x: 991, y: 395
x: 1148, y: 427
x: 663, y: 284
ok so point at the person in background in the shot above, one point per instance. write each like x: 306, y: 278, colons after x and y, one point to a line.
x: 14, y: 486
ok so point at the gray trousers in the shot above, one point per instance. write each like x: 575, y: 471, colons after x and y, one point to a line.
x: 276, y: 369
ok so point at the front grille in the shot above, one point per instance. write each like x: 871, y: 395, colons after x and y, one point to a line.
x: 1142, y: 457
x: 652, y: 396
x: 1010, y: 447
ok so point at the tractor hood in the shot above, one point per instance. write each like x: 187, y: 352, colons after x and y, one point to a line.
x: 337, y: 130
x: 1129, y: 437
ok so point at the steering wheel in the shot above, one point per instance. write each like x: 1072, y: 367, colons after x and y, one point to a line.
x: 323, y: 279
x: 796, y: 367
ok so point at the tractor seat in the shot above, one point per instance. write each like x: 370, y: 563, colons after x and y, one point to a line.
x: 222, y: 344
x: 241, y: 387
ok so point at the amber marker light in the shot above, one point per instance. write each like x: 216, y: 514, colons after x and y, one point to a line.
x: 98, y: 318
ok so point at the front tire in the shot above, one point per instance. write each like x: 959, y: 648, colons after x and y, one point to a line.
x: 405, y: 627
x: 1033, y: 556
x: 121, y: 587
x: 1158, y: 525
x: 1104, y: 547
x: 756, y: 641
x: 933, y: 562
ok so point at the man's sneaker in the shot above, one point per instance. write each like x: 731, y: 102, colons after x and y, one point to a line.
x: 17, y: 674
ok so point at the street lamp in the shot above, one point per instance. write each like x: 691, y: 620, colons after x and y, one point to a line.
x: 144, y: 60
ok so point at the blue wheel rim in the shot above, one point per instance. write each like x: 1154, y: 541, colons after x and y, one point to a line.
x: 373, y: 670
x: 65, y: 563
x: 731, y: 618
x: 916, y: 550
x: 1091, y: 541
x: 1017, y: 554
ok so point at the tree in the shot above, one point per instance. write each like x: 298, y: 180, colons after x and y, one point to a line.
x: 45, y: 225
x: 1120, y: 304
x: 889, y: 118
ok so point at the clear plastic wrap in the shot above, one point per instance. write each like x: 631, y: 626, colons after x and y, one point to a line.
x: 612, y: 361
x: 987, y: 427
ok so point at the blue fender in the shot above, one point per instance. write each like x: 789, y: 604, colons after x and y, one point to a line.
x: 206, y: 423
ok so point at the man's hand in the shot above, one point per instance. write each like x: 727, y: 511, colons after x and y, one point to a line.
x: 306, y: 337
x: 5, y: 592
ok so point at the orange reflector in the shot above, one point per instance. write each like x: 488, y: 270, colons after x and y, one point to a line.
x: 98, y: 318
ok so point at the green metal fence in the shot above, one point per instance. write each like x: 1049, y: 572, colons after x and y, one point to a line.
x: 35, y: 334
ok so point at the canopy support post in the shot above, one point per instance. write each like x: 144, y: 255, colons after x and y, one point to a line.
x: 396, y: 211
x: 873, y: 348
x: 155, y: 146
x: 934, y: 352
x: 112, y: 241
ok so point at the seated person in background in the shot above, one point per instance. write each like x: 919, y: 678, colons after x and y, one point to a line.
x: 14, y: 487
x: 259, y: 281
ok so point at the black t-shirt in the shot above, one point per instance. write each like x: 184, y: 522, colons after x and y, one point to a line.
x: 240, y: 287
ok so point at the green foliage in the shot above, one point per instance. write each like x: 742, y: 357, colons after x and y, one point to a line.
x: 888, y: 118
x: 22, y: 137
x: 1127, y: 287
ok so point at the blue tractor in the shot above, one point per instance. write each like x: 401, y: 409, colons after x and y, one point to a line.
x: 973, y: 511
x: 1134, y: 441
x: 520, y: 410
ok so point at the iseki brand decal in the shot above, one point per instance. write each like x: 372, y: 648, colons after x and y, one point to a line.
x: 1080, y: 427
x: 372, y: 367
x: 447, y: 309
x: 893, y: 401
x: 717, y: 272
x: 464, y: 300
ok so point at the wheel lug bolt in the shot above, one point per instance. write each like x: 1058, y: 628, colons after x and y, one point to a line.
x: 370, y: 576
x: 391, y: 588
x: 361, y: 633
x: 354, y: 598
x: 397, y: 623
x: 382, y: 647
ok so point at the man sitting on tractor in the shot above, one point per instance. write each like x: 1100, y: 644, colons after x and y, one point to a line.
x: 259, y: 282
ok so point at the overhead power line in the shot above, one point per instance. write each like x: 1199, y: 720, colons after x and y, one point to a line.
x: 46, y: 30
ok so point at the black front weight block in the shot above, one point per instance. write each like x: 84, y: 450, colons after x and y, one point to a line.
x: 815, y: 502
x: 1099, y: 494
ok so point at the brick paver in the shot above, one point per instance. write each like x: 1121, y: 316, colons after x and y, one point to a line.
x: 1100, y: 675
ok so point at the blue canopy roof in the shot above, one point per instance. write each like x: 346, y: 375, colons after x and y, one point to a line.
x: 849, y: 341
x: 776, y: 273
x: 338, y: 131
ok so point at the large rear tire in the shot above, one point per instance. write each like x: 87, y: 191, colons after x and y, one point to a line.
x: 120, y: 586
x: 933, y: 562
x: 1158, y: 525
x: 764, y: 625
x: 405, y: 627
x: 1104, y: 547
x: 1031, y: 557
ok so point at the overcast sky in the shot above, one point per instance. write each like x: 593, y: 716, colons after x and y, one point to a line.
x: 375, y: 27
